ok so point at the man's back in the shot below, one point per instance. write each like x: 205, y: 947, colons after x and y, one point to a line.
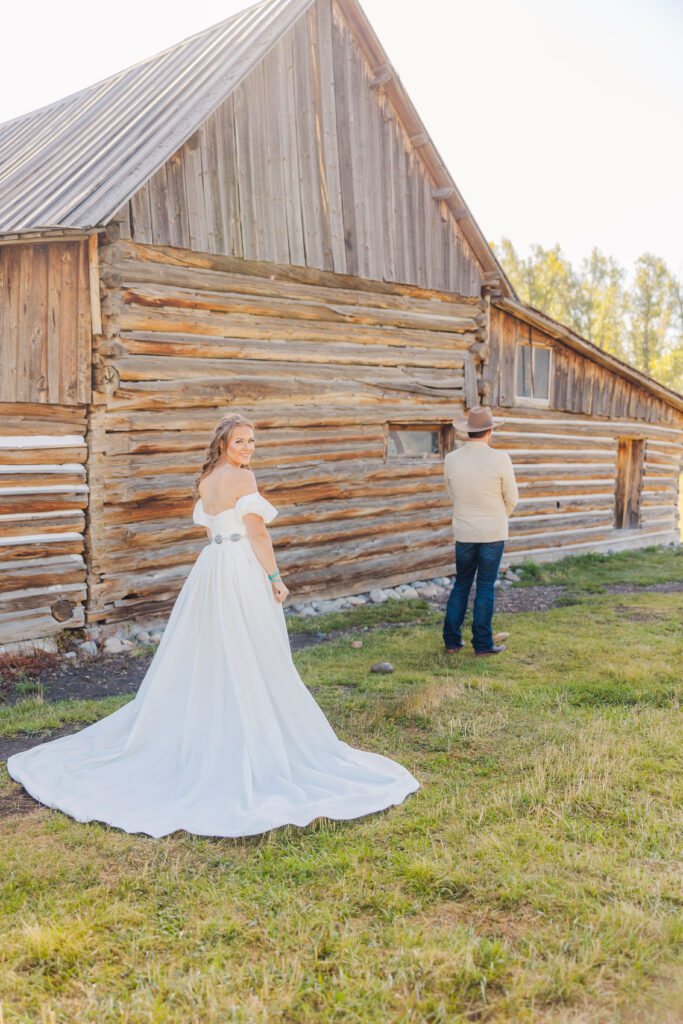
x: 481, y: 483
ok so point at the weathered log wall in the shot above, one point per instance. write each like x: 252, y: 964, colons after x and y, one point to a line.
x: 565, y: 454
x: 43, y: 495
x: 307, y: 163
x: 44, y: 323
x: 321, y: 363
x: 578, y: 384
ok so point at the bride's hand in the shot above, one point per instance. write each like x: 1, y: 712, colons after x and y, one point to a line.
x: 280, y: 591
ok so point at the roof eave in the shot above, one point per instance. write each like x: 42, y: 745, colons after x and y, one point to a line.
x: 536, y: 318
x: 389, y: 81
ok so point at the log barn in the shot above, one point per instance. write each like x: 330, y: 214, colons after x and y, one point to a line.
x: 256, y: 219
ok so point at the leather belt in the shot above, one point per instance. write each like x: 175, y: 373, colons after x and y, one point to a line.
x: 218, y: 539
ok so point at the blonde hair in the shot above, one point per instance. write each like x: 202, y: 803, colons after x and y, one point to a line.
x: 219, y: 443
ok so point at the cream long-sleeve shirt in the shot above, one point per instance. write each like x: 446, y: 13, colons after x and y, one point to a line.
x: 481, y: 483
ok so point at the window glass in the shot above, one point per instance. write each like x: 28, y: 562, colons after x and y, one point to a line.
x: 413, y: 443
x: 524, y: 371
x: 536, y: 385
x: 541, y: 373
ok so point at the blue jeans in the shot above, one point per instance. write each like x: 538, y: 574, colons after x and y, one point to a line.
x: 480, y: 560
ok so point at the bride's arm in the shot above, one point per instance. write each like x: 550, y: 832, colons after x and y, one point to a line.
x: 263, y: 549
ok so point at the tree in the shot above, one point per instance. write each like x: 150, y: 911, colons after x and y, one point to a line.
x: 601, y: 302
x: 649, y: 311
x: 640, y: 321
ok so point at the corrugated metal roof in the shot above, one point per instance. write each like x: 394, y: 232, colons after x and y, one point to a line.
x: 77, y: 161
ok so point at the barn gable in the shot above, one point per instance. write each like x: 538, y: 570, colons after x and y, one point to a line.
x: 281, y: 135
x: 309, y: 162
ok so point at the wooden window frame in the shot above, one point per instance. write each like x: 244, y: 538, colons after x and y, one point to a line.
x: 446, y: 433
x: 538, y: 403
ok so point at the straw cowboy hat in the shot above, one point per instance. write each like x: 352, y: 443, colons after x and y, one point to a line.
x: 478, y: 419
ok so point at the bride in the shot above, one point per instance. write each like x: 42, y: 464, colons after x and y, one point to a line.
x: 223, y: 738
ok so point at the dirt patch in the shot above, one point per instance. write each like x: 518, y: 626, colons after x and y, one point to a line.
x: 17, y: 801
x: 668, y: 587
x: 517, y: 599
x: 638, y: 614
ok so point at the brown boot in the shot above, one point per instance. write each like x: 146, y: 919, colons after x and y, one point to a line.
x: 494, y: 650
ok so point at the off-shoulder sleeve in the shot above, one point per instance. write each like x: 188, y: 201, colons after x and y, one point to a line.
x: 199, y: 515
x: 254, y: 504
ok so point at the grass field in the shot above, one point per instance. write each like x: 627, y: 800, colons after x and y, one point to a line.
x: 535, y: 876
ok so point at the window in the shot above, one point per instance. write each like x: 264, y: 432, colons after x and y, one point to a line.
x: 415, y: 441
x: 533, y: 372
x: 629, y: 483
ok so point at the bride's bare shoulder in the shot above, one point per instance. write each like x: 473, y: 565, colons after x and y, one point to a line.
x: 246, y: 482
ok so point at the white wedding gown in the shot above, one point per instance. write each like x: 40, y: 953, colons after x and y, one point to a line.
x: 223, y: 738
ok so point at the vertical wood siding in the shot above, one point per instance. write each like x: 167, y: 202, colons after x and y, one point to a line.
x: 321, y: 363
x: 307, y: 164
x: 43, y: 495
x: 44, y: 323
x: 565, y: 455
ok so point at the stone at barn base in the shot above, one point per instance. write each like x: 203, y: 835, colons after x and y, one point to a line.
x: 88, y: 648
x: 408, y: 593
x: 45, y: 643
x: 378, y: 596
x: 383, y: 667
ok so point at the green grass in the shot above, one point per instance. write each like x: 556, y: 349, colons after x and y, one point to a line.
x: 592, y: 572
x: 367, y: 615
x: 535, y: 877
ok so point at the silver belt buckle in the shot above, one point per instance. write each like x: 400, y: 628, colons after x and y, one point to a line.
x: 235, y: 536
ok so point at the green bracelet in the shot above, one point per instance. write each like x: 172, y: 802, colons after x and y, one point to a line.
x: 275, y: 576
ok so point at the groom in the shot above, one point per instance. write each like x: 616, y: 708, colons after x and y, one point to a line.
x: 481, y: 483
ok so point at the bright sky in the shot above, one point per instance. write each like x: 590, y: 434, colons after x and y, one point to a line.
x: 560, y: 121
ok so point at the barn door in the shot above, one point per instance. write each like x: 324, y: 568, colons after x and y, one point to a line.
x: 630, y: 458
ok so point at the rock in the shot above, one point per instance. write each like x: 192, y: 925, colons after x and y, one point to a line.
x: 391, y: 592
x: 356, y: 600
x: 46, y: 643
x: 499, y: 638
x: 418, y: 584
x: 126, y: 644
x: 142, y: 637
x: 442, y: 581
x: 409, y: 593
x: 307, y: 611
x: 506, y: 584
x: 88, y: 648
x: 69, y: 654
x: 429, y: 590
x: 155, y: 637
x: 112, y: 645
x: 326, y: 607
x: 497, y: 584
x: 378, y: 596
x: 356, y: 643
x: 383, y: 667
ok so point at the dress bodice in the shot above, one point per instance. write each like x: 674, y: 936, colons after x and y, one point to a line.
x: 231, y: 520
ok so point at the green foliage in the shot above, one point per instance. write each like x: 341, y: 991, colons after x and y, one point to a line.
x: 639, y: 320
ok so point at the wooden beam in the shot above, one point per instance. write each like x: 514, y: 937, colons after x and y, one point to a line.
x: 94, y: 275
x: 421, y: 139
x: 382, y: 74
x: 443, y: 193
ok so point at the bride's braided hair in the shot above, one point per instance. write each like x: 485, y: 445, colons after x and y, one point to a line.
x: 219, y: 443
